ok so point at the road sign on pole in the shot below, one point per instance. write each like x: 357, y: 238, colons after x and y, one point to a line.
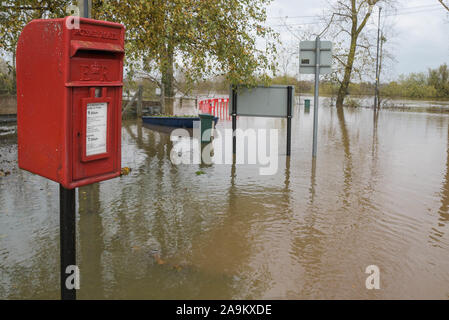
x: 315, y: 57
x: 308, y: 54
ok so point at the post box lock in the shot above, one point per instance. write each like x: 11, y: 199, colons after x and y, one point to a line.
x: 69, y: 89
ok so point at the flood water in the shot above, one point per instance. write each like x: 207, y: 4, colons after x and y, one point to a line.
x: 377, y: 194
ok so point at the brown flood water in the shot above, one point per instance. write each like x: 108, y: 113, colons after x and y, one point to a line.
x: 378, y: 193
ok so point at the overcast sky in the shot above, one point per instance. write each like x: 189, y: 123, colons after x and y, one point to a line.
x: 420, y: 30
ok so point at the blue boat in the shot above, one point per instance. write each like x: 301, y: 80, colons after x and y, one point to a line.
x: 177, y: 122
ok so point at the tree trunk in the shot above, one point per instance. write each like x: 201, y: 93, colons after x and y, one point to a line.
x: 168, y: 91
x: 343, y: 90
x: 168, y: 74
x: 355, y: 32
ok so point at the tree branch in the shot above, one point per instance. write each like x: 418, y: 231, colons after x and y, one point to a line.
x: 444, y: 5
x: 365, y: 20
x: 341, y: 61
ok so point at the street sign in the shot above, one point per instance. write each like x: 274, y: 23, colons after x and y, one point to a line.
x: 315, y: 57
x: 307, y: 57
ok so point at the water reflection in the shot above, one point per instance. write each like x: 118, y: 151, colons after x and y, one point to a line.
x: 375, y: 139
x: 376, y: 194
x: 438, y: 231
x: 90, y: 240
x: 347, y: 171
x: 312, y: 181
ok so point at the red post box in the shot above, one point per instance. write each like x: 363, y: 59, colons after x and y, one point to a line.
x: 69, y: 95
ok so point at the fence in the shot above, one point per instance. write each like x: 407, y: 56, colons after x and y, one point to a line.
x: 218, y: 107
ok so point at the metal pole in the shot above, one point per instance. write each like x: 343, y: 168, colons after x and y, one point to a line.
x: 234, y: 119
x: 67, y: 234
x: 317, y: 88
x: 289, y: 120
x: 376, y: 92
x: 85, y: 8
x: 67, y: 217
x: 299, y: 76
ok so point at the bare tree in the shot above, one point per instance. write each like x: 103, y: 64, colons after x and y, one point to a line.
x: 288, y: 55
x: 353, y: 44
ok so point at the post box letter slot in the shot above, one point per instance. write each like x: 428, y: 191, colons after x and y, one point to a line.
x: 99, y: 47
x: 95, y: 138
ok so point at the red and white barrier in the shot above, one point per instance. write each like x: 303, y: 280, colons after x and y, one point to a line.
x: 218, y: 107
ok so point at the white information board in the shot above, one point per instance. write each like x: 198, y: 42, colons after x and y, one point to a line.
x: 262, y: 101
x: 96, y: 128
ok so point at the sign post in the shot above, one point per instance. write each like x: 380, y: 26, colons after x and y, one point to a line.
x: 289, y: 119
x: 315, y: 58
x: 234, y: 118
x: 317, y: 91
x: 376, y: 92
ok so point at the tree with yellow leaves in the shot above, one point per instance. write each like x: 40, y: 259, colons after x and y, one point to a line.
x: 195, y: 38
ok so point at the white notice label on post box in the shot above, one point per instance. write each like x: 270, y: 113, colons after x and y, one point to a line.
x: 96, y: 128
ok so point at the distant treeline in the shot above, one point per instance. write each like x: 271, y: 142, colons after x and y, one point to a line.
x: 433, y: 84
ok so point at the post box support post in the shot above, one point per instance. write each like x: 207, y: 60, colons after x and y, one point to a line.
x: 67, y: 215
x: 67, y: 230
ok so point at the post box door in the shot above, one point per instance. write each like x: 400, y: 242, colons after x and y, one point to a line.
x: 94, y: 131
